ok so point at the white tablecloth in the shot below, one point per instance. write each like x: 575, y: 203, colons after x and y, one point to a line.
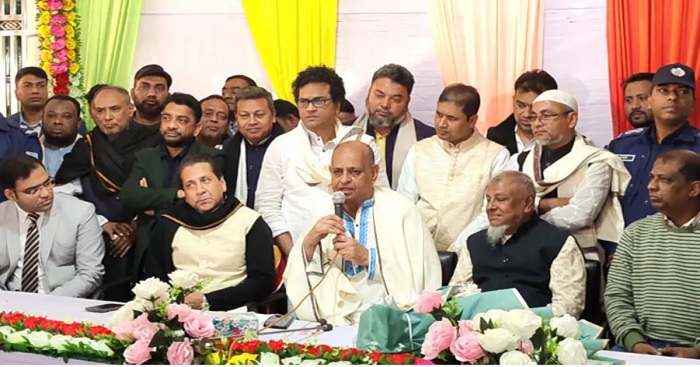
x: 72, y: 309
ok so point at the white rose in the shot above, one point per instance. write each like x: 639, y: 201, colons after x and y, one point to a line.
x: 183, y: 279
x: 77, y: 341
x: 152, y: 290
x: 18, y: 337
x: 59, y: 342
x: 571, y: 351
x: 269, y: 359
x: 101, y: 346
x: 515, y: 358
x: 6, y: 330
x: 495, y: 316
x: 498, y: 340
x: 126, y: 313
x: 522, y: 323
x: 565, y: 326
x: 38, y: 339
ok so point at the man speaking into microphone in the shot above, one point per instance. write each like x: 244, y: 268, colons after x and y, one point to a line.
x: 379, y: 247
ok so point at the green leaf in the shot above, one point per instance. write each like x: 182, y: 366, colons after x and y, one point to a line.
x: 538, y: 339
x: 159, y: 339
x: 483, y: 325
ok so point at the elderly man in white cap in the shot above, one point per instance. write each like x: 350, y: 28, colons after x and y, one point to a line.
x: 577, y: 184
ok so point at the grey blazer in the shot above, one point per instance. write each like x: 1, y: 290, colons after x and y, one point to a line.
x: 71, y: 247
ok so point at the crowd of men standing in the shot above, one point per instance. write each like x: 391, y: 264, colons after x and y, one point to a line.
x: 237, y: 187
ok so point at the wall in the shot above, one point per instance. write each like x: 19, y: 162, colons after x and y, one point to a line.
x: 201, y: 43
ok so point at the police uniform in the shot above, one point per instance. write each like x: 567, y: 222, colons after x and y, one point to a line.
x: 639, y: 148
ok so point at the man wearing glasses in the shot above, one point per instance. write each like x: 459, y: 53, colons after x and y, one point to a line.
x: 54, y: 243
x: 577, y: 184
x: 295, y: 177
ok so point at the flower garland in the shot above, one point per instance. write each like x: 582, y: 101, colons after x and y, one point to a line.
x: 60, y: 57
x: 23, y: 333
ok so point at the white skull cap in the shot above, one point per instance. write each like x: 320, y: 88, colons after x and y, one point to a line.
x: 559, y: 96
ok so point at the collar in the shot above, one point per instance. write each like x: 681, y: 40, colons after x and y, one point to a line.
x: 312, y: 135
x: 262, y: 142
x: 23, y: 122
x: 369, y: 203
x: 551, y: 156
x: 462, y: 146
x: 42, y: 141
x: 694, y: 221
x: 685, y: 133
x: 166, y: 155
x: 23, y: 215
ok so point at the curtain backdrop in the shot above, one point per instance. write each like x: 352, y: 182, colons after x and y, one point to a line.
x: 291, y: 35
x: 108, y: 40
x: 644, y: 35
x: 487, y: 44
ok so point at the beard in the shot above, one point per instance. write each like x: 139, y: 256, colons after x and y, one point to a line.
x: 147, y: 110
x: 494, y: 235
x: 390, y: 122
x: 549, y: 141
x: 60, y: 141
x: 179, y: 143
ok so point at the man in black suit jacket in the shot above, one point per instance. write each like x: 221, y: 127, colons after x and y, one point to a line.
x: 244, y: 153
x: 515, y: 132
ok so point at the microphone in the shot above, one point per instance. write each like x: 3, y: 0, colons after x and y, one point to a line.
x: 338, y: 201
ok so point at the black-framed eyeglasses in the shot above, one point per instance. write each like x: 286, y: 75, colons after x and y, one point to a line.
x: 548, y: 117
x: 319, y: 102
x: 48, y: 184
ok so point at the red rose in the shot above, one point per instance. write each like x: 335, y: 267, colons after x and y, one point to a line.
x: 12, y: 318
x: 99, y: 330
x: 251, y: 346
x: 326, y: 349
x: 276, y: 346
x: 402, y: 358
x: 62, y: 79
x: 60, y: 90
x: 31, y: 322
x: 50, y: 325
x: 376, y: 356
x: 314, y: 351
x: 71, y: 329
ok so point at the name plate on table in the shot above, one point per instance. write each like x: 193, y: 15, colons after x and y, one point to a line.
x: 228, y: 324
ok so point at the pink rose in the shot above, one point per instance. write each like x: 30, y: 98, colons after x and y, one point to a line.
x: 55, y: 4
x: 199, y: 325
x: 124, y: 331
x: 427, y: 301
x: 525, y: 346
x: 466, y: 348
x: 182, y: 311
x: 144, y: 329
x: 59, y: 44
x: 59, y: 68
x: 138, y: 353
x: 58, y: 31
x: 180, y: 353
x: 422, y: 362
x: 58, y: 19
x: 467, y: 326
x: 440, y: 336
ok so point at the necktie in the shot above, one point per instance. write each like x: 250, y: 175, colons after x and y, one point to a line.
x: 30, y: 269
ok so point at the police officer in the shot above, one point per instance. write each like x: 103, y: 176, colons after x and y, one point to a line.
x: 672, y: 100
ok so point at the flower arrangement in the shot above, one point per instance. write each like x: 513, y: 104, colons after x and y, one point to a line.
x: 518, y: 336
x: 20, y: 332
x: 157, y: 326
x: 60, y: 57
x: 276, y: 352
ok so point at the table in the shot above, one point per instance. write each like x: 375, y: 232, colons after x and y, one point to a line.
x: 73, y: 309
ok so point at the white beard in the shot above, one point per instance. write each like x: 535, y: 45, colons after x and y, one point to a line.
x: 495, y: 234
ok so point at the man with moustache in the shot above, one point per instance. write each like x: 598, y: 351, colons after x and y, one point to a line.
x: 150, y: 90
x: 96, y: 170
x: 515, y: 132
x: 520, y: 250
x: 294, y: 179
x: 212, y: 130
x: 577, y: 184
x: 388, y: 120
x: 446, y: 175
x: 380, y: 247
x: 232, y: 85
x: 152, y: 185
x: 31, y: 90
x: 671, y: 101
x: 637, y: 88
x: 59, y: 130
x: 215, y: 236
x: 244, y: 154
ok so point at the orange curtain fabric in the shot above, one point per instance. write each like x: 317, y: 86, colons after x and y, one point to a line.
x: 487, y: 44
x: 644, y: 35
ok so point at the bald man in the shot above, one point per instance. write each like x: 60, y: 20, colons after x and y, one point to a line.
x: 577, y: 185
x: 520, y: 250
x: 399, y: 259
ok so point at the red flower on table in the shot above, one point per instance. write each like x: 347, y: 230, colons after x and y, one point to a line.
x: 31, y: 322
x: 71, y: 329
x: 376, y: 357
x: 276, y: 346
x: 13, y: 318
x: 251, y: 346
x: 314, y: 351
x: 402, y: 358
x: 50, y: 325
x: 99, y: 330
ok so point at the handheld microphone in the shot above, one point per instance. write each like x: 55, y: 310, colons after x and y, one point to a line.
x: 338, y: 201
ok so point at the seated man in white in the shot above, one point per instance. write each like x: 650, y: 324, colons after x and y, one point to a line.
x: 379, y: 248
x: 215, y: 236
x: 50, y: 244
x: 522, y: 251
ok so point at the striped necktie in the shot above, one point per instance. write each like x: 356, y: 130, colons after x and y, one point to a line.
x: 30, y: 268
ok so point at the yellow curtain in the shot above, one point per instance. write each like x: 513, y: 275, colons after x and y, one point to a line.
x: 291, y: 35
x: 487, y: 44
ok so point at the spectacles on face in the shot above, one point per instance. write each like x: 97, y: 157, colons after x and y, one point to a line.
x: 318, y: 102
x: 48, y: 184
x: 548, y: 117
